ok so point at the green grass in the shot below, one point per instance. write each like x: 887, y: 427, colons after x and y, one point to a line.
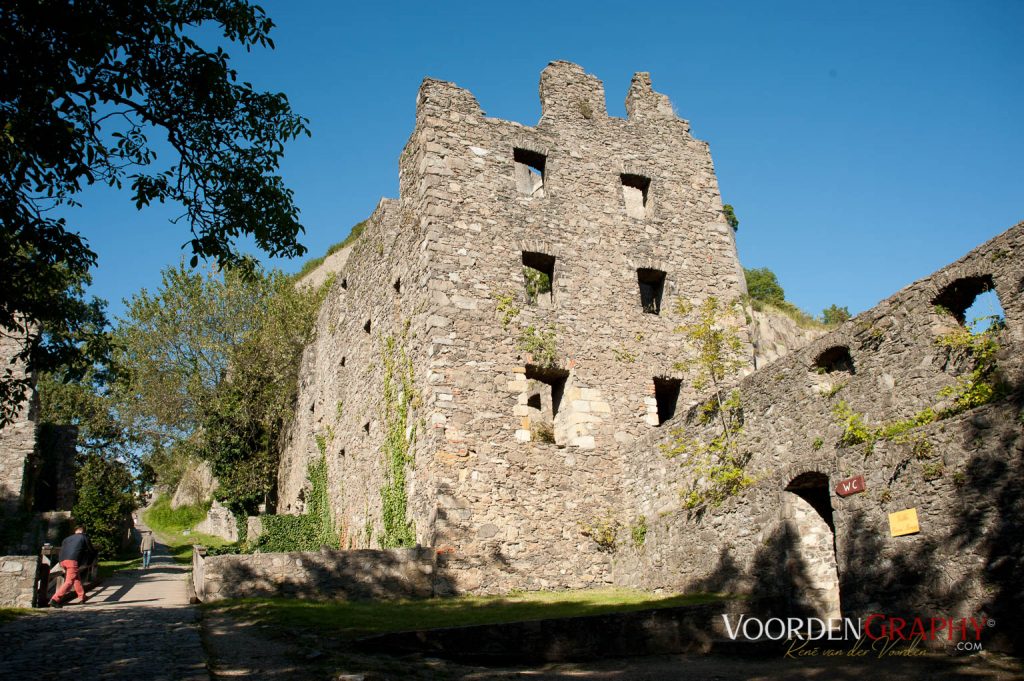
x: 8, y: 614
x: 127, y: 560
x: 802, y: 319
x: 313, y: 263
x: 162, y: 518
x: 362, y: 618
x: 170, y: 526
x: 180, y: 545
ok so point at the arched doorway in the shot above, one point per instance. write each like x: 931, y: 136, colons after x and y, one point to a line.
x: 813, y: 576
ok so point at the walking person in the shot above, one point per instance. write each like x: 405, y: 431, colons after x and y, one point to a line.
x: 147, y: 548
x: 76, y: 550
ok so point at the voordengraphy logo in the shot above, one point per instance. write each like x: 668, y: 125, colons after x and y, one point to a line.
x: 878, y: 633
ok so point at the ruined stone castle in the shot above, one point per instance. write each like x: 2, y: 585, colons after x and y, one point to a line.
x: 524, y: 414
x: 513, y: 451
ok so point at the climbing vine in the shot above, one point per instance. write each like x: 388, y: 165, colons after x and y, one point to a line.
x: 311, y: 530
x: 977, y: 387
x: 399, y: 437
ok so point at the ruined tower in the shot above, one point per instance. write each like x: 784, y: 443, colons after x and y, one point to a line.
x: 521, y: 286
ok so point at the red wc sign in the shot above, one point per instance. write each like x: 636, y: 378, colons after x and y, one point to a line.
x: 850, y: 486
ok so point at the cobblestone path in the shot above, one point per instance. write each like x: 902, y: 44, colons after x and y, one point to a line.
x: 137, y: 625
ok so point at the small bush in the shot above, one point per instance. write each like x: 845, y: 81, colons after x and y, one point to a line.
x: 603, y: 530
x: 638, y: 531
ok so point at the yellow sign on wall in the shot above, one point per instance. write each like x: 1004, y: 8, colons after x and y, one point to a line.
x: 903, y: 522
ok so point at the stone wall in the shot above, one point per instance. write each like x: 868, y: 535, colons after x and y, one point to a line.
x: 512, y: 458
x: 332, y: 264
x: 17, y: 580
x: 774, y: 335
x: 196, y: 485
x: 343, y: 575
x: 219, y: 522
x: 17, y: 439
x: 962, y: 474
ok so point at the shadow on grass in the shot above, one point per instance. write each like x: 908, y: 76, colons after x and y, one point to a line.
x: 354, y: 619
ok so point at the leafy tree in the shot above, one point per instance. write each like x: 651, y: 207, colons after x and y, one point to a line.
x: 730, y: 217
x: 834, y: 314
x: 173, y: 348
x: 86, y: 85
x: 245, y: 415
x: 713, y: 349
x: 208, y: 368
x: 85, y: 403
x: 105, y: 499
x: 763, y: 285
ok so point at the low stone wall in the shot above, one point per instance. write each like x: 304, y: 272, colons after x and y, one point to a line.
x: 359, y: 574
x: 17, y: 580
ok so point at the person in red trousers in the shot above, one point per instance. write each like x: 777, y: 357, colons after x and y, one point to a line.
x: 74, y: 550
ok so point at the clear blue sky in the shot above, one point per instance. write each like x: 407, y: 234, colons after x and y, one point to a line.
x: 863, y: 145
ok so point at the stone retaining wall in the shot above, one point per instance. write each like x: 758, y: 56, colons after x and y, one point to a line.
x: 17, y: 580
x: 358, y: 574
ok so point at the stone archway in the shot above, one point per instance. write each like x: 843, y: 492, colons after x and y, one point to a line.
x: 813, y: 575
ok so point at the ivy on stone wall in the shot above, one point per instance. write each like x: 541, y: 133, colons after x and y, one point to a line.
x: 399, y: 437
x: 311, y: 530
x: 979, y: 386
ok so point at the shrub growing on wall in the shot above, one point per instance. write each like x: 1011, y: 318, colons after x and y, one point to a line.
x: 309, y: 531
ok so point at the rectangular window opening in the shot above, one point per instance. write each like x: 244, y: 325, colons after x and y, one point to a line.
x: 666, y: 393
x: 529, y: 172
x: 547, y: 387
x: 652, y: 286
x: 635, y: 189
x: 538, y: 277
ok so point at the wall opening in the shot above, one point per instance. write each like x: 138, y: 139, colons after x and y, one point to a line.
x: 835, y: 359
x: 538, y: 277
x: 812, y: 574
x: 366, y: 427
x: 366, y: 326
x: 666, y: 394
x: 972, y: 301
x: 398, y: 285
x: 635, y: 189
x: 344, y: 283
x: 544, y: 401
x: 652, y: 286
x: 343, y: 360
x: 529, y: 172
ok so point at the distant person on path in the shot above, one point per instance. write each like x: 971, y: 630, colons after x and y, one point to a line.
x: 147, y: 548
x: 74, y: 551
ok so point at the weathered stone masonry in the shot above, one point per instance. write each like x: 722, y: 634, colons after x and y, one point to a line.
x: 965, y: 481
x: 610, y: 207
x: 17, y: 439
x: 512, y: 457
